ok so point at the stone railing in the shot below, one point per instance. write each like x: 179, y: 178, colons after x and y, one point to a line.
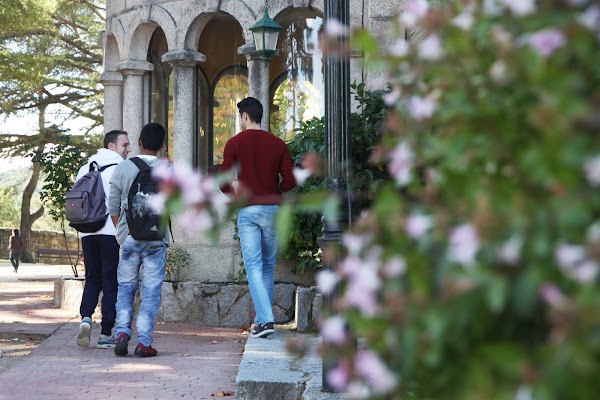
x: 42, y: 240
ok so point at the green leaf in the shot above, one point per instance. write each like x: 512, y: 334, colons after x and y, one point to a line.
x: 283, y: 225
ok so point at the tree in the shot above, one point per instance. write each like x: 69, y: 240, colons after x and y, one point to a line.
x: 52, y: 70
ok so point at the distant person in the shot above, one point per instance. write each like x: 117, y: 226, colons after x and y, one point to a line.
x: 149, y: 255
x: 261, y: 158
x: 15, y: 245
x: 101, y: 250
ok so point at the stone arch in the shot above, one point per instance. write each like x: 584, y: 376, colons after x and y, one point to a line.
x: 243, y: 13
x: 279, y: 10
x: 111, y: 53
x: 145, y: 20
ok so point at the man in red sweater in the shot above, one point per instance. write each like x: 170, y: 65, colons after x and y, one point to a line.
x: 260, y: 158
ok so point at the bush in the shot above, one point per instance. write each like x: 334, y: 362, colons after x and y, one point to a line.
x: 481, y: 281
x: 310, y: 138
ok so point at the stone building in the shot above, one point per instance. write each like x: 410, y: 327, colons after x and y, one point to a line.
x: 186, y: 63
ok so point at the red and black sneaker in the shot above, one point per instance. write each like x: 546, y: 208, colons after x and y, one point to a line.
x: 143, y: 351
x: 121, y: 345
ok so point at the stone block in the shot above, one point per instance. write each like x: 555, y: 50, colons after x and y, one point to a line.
x: 283, y: 302
x: 68, y: 293
x: 226, y: 297
x: 240, y: 313
x: 208, y: 264
x: 304, y: 309
x: 317, y: 307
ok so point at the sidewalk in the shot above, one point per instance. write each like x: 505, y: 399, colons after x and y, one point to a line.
x: 194, y: 362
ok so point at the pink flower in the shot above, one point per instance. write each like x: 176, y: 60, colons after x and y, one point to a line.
x: 358, y: 390
x: 510, y: 251
x: 338, y: 378
x: 569, y: 255
x: 402, y: 163
x: 417, y: 225
x: 335, y: 28
x: 334, y: 330
x: 327, y: 281
x: 361, y: 297
x: 392, y: 97
x: 400, y: 48
x: 192, y: 219
x: 157, y: 202
x: 590, y: 18
x: 395, y: 266
x: 414, y: 10
x: 547, y: 41
x: 520, y: 7
x: 464, y: 245
x: 552, y: 295
x: 464, y: 20
x: 498, y: 71
x: 373, y: 369
x: 592, y: 171
x: 431, y: 48
x: 421, y: 108
x: 585, y: 272
x: 350, y: 265
x: 355, y: 243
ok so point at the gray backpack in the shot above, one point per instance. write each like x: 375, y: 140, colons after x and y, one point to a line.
x: 86, y: 207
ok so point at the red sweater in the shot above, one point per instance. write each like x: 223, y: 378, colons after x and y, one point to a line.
x: 260, y: 158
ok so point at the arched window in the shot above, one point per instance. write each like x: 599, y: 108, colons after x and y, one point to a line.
x: 297, y: 88
x: 160, y: 107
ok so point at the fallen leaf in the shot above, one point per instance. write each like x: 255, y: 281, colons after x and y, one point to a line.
x: 222, y: 394
x: 214, y: 342
x: 183, y: 355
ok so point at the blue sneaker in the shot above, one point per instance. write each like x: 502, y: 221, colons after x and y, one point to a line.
x: 85, y: 330
x: 106, y: 342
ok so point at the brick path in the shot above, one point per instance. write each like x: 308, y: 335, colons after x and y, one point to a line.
x: 194, y: 362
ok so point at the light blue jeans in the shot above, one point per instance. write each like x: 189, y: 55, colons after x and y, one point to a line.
x: 151, y: 256
x: 259, y: 249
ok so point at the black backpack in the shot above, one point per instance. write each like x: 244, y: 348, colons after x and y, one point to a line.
x: 144, y: 224
x: 85, y: 202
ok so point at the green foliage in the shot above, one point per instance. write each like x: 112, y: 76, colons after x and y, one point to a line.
x: 306, y: 225
x: 497, y: 297
x: 177, y: 258
x: 9, y: 207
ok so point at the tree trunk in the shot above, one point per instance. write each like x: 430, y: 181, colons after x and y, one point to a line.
x: 27, y: 219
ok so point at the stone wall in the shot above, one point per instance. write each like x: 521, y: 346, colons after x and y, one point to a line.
x: 212, y: 304
x: 42, y: 240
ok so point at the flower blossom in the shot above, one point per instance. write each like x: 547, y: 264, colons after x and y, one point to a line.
x: 510, y: 251
x: 520, y: 7
x: 373, y: 369
x: 417, y: 225
x: 590, y: 18
x: 394, y: 267
x: 327, y: 281
x: 414, y: 10
x: 586, y: 272
x: 157, y: 202
x: 338, y: 378
x: 552, y: 295
x: 464, y: 244
x: 400, y: 48
x: 392, y: 97
x: 547, y: 41
x: 464, y: 20
x: 569, y: 255
x: 431, y: 48
x: 301, y: 175
x: 194, y: 219
x: 355, y: 243
x: 592, y: 171
x: 498, y: 71
x: 335, y: 28
x: 421, y: 108
x: 402, y: 161
x: 334, y: 330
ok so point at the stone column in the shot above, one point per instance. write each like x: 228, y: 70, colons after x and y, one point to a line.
x: 133, y: 99
x: 184, y: 103
x: 258, y: 80
x: 113, y: 100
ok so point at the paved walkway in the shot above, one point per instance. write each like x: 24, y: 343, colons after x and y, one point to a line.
x: 194, y: 362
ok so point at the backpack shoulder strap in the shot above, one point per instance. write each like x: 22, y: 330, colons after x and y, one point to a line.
x: 141, y: 164
x: 94, y: 166
x: 106, y: 166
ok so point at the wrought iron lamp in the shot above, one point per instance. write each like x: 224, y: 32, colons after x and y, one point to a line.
x: 266, y: 33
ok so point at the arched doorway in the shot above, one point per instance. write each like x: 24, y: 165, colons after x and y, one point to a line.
x: 222, y: 81
x: 160, y: 86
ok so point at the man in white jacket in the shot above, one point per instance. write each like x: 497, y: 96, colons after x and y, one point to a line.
x: 101, y: 250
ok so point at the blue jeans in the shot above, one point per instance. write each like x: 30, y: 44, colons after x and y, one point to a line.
x: 151, y: 256
x: 259, y: 249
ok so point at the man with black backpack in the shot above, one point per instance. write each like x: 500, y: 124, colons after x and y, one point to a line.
x: 87, y: 209
x: 143, y: 239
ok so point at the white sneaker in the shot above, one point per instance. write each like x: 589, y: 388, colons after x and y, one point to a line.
x: 85, y: 330
x: 106, y: 342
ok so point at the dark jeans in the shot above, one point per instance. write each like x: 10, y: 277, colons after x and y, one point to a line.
x: 14, y: 259
x: 101, y: 258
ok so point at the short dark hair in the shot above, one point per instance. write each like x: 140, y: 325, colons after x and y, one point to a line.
x: 252, y: 107
x: 152, y: 136
x: 16, y: 232
x: 112, y: 137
